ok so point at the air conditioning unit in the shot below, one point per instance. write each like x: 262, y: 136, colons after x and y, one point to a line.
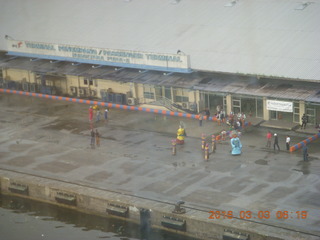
x: 193, y: 106
x: 185, y: 105
x: 82, y: 91
x: 132, y: 101
x: 73, y: 90
x: 93, y: 93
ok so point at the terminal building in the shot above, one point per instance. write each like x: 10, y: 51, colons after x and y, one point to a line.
x: 261, y: 58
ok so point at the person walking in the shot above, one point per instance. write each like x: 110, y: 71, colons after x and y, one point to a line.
x: 305, y: 153
x: 92, y: 143
x: 288, y: 142
x: 276, y: 142
x: 269, y: 136
x: 97, y: 138
x: 200, y: 119
x: 304, y: 120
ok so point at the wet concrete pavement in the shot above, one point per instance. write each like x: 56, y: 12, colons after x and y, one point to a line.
x: 51, y: 139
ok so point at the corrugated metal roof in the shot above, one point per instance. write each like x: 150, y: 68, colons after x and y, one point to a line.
x: 265, y: 37
x: 210, y: 82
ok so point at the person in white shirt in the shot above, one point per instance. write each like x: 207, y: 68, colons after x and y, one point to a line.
x: 288, y: 142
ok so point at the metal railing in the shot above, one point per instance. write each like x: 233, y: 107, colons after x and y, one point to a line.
x: 164, y: 102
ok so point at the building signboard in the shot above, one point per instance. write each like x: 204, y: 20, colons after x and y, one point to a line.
x: 102, y: 56
x: 279, y: 106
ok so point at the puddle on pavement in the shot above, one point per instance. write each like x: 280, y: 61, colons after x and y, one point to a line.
x: 304, y: 171
x: 261, y: 162
x: 304, y: 167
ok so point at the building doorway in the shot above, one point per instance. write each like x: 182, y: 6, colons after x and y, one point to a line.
x: 236, y: 105
x: 211, y: 101
x: 311, y: 113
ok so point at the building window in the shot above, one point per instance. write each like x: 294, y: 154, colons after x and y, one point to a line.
x: 182, y: 99
x: 148, y: 92
x: 181, y: 95
x: 87, y: 81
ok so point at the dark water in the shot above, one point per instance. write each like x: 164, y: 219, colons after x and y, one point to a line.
x: 26, y: 219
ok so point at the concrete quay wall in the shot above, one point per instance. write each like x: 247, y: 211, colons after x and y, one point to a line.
x: 95, y: 201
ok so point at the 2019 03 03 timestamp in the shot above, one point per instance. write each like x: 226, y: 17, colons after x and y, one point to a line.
x: 251, y: 215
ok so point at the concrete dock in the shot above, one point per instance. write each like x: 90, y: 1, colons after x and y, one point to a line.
x: 45, y: 150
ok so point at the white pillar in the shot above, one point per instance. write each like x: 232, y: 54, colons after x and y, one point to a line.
x: 266, y: 112
x: 228, y: 104
x: 302, y: 110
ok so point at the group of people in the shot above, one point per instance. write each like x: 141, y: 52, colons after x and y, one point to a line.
x: 288, y: 140
x: 235, y: 121
x: 95, y: 135
x: 205, y: 113
x: 276, y: 141
x: 95, y: 110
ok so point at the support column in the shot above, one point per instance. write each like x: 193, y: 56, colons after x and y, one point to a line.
x: 133, y: 89
x: 266, y: 112
x: 228, y: 104
x: 302, y: 109
x: 4, y: 73
x: 197, y: 99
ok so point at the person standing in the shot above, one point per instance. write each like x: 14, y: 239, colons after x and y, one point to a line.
x: 288, y: 142
x: 92, y: 143
x: 305, y: 153
x: 304, y: 121
x: 98, y: 115
x: 90, y: 113
x: 106, y: 115
x: 269, y: 136
x: 276, y: 142
x: 97, y: 138
x: 207, y: 113
x: 200, y: 119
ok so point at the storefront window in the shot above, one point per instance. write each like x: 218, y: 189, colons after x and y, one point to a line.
x: 167, y: 92
x: 148, y: 92
x: 236, y: 105
x: 259, y: 104
x: 313, y: 113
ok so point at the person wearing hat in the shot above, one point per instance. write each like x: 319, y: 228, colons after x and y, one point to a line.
x: 276, y: 142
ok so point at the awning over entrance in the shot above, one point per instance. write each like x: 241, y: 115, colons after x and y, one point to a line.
x: 209, y: 82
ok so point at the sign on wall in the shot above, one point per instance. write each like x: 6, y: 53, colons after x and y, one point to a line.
x: 103, y: 56
x: 279, y: 106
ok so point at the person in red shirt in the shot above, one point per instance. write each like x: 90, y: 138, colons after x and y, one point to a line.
x: 90, y: 114
x: 269, y: 136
